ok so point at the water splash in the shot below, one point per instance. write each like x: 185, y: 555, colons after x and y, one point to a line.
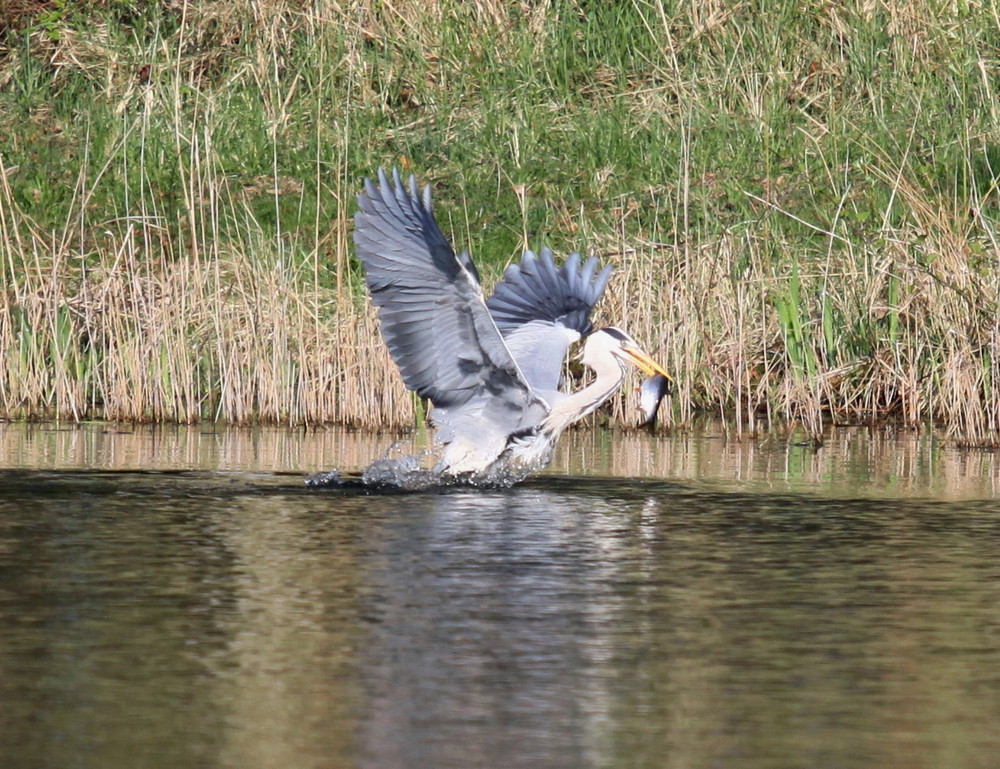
x: 400, y: 473
x: 330, y: 478
x: 402, y: 468
x: 409, y: 474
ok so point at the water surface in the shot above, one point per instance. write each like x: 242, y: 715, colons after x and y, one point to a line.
x: 178, y: 598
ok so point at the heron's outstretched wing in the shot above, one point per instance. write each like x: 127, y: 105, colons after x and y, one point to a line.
x: 541, y: 310
x: 431, y: 309
x: 536, y: 290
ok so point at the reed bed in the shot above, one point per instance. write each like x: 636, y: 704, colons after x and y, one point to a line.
x: 238, y: 336
x: 801, y: 198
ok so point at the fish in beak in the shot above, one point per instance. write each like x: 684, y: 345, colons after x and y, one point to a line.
x: 654, y: 388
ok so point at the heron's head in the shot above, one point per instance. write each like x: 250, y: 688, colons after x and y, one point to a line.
x: 613, y: 343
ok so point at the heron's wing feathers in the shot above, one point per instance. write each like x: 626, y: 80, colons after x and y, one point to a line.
x: 536, y: 290
x: 541, y: 310
x: 430, y: 305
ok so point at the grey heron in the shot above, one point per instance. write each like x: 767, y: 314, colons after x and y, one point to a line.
x: 490, y: 367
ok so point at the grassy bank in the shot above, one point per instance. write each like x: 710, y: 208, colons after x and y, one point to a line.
x: 801, y: 197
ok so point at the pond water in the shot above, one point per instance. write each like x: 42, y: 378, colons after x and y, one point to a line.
x: 178, y: 598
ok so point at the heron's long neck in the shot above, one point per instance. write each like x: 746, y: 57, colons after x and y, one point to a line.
x: 567, y: 410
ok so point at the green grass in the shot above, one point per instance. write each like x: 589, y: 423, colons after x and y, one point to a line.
x: 683, y: 112
x: 844, y: 157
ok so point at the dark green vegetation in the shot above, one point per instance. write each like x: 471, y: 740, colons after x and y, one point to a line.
x: 802, y: 196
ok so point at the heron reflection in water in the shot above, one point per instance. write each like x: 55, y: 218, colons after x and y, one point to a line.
x: 491, y: 368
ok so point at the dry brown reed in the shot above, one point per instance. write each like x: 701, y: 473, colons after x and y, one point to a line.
x: 899, y: 329
x: 234, y: 332
x: 215, y: 333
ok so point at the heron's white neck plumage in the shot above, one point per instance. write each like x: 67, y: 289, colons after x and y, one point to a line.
x: 609, y: 373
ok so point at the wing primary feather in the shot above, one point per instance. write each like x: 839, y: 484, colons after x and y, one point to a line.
x: 587, y: 273
x: 602, y: 281
x: 570, y: 272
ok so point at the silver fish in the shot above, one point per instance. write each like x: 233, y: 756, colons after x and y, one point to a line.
x: 652, y: 390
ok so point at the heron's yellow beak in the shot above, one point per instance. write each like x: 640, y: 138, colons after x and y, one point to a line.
x: 644, y: 362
